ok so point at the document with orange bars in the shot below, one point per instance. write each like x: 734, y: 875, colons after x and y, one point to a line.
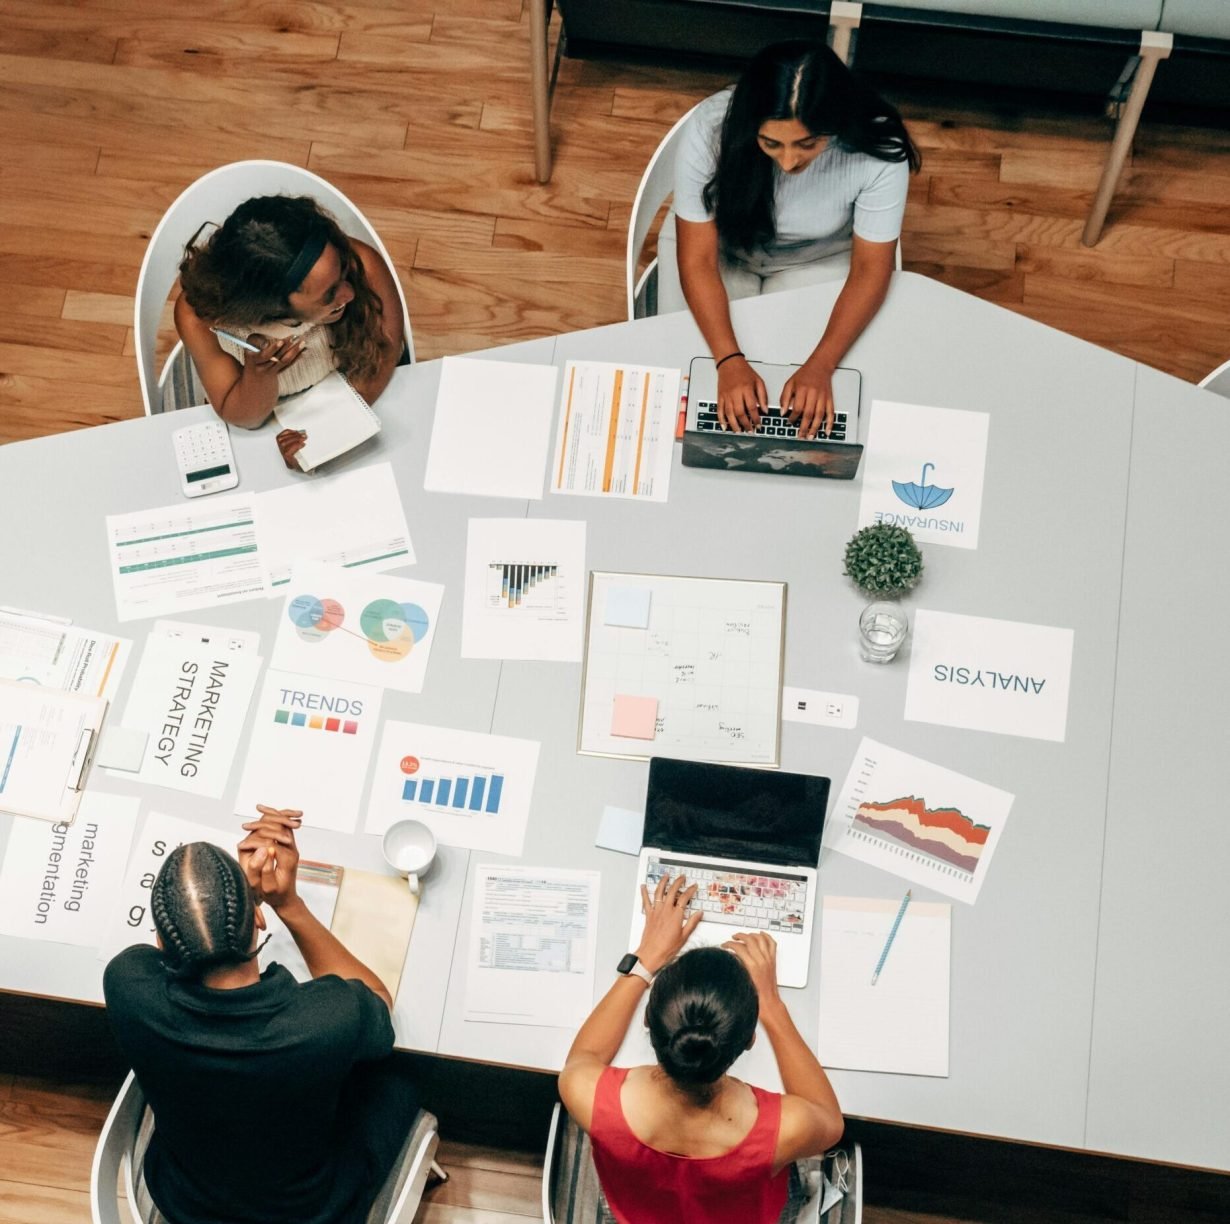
x: 616, y: 431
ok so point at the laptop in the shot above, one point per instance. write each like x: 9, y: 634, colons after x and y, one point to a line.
x: 775, y: 447
x: 750, y: 838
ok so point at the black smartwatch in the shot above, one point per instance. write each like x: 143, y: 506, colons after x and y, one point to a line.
x: 630, y: 966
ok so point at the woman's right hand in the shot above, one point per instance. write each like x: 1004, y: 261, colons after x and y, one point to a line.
x: 758, y: 952
x: 741, y: 395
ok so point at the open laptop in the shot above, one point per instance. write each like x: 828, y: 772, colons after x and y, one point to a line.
x: 775, y: 447
x: 750, y: 838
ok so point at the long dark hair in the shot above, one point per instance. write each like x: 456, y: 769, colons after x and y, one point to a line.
x: 238, y: 275
x: 793, y: 80
x: 702, y: 1013
x: 203, y: 910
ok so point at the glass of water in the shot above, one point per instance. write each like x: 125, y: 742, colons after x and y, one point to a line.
x: 882, y: 627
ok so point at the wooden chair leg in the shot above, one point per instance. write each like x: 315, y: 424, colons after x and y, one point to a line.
x: 844, y: 18
x: 540, y: 86
x: 1154, y: 46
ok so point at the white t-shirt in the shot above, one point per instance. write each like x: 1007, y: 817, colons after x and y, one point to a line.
x: 817, y: 210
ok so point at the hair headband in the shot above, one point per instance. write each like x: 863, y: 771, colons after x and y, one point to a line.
x: 301, y: 265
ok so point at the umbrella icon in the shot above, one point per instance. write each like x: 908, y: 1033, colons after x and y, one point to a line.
x: 921, y: 496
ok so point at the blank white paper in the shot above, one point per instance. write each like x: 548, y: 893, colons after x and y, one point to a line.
x: 901, y: 1023
x: 492, y: 428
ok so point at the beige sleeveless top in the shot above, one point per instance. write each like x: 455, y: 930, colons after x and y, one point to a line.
x: 315, y: 363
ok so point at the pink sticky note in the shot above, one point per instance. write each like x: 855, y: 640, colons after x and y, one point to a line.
x: 634, y: 717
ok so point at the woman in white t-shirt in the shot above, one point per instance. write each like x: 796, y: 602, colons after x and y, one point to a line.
x: 798, y: 174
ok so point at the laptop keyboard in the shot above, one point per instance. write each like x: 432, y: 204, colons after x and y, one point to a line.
x: 773, y: 423
x: 748, y: 901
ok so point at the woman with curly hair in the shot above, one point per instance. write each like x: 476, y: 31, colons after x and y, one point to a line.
x: 280, y: 274
x: 274, y: 1100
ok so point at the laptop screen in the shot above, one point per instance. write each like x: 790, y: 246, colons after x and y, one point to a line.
x: 726, y: 811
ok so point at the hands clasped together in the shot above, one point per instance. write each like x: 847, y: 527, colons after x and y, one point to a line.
x: 269, y: 856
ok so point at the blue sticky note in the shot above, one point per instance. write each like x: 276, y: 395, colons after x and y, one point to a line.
x: 621, y: 829
x: 628, y: 607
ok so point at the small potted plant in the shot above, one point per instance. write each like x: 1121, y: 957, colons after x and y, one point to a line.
x: 883, y: 560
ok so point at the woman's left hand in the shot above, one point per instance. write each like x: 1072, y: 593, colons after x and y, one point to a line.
x: 667, y: 925
x: 290, y: 443
x: 807, y: 398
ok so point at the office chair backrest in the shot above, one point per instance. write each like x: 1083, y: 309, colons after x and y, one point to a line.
x: 1218, y: 381
x: 114, y: 1151
x: 213, y: 197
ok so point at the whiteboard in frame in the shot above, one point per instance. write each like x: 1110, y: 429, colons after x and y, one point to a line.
x: 763, y: 602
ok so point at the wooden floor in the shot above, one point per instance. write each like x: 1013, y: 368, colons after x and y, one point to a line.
x: 419, y: 110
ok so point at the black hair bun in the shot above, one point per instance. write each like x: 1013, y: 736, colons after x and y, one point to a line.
x: 694, y: 1054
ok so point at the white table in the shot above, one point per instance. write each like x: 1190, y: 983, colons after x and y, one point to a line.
x: 1057, y: 1035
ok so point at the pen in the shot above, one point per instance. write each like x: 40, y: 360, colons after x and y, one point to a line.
x: 43, y: 616
x: 243, y: 344
x: 888, y: 943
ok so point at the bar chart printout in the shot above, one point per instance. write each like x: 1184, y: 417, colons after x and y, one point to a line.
x: 512, y: 585
x: 470, y: 789
x: 918, y: 820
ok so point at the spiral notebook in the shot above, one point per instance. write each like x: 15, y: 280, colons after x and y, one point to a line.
x: 335, y: 417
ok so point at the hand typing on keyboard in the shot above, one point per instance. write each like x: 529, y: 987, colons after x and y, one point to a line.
x: 807, y: 398
x: 741, y: 395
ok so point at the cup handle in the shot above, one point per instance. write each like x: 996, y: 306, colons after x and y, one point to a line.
x: 412, y: 882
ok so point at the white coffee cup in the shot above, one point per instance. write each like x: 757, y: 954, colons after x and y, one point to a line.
x: 410, y: 849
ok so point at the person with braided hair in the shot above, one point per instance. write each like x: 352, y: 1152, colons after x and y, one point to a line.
x: 225, y: 1053
x: 684, y: 1140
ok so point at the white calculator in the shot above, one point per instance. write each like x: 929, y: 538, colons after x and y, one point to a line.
x: 203, y: 453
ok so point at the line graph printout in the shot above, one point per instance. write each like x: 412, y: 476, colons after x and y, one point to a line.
x: 524, y: 590
x: 616, y: 431
x: 361, y: 627
x: 182, y: 558
x: 920, y: 821
x: 710, y: 654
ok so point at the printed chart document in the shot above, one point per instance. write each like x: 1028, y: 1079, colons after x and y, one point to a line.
x: 335, y: 417
x: 920, y: 821
x: 924, y: 470
x: 989, y: 675
x: 47, y: 740
x: 901, y: 1023
x: 470, y: 789
x: 524, y: 590
x: 492, y: 428
x: 532, y: 946
x: 353, y: 520
x: 616, y: 431
x: 701, y: 680
x: 61, y: 882
x: 65, y: 657
x: 195, y: 554
x: 310, y: 748
x: 366, y: 628
x: 131, y: 921
x: 190, y: 696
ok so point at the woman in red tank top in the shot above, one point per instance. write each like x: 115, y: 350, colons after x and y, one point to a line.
x: 683, y: 1141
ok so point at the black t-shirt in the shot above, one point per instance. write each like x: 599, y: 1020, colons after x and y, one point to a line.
x: 245, y: 1086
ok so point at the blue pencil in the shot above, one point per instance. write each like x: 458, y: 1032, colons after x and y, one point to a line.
x: 888, y: 943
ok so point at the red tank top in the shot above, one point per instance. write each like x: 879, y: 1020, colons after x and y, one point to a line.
x: 645, y: 1186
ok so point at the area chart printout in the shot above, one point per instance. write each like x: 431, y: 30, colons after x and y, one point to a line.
x: 616, y: 431
x: 532, y: 946
x: 38, y: 651
x: 920, y: 821
x: 470, y: 789
x: 360, y: 627
x: 182, y: 558
x: 524, y: 590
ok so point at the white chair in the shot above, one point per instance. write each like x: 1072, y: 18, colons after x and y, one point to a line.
x: 571, y: 1194
x: 1218, y: 381
x: 213, y: 197
x: 121, y: 1148
x: 657, y: 183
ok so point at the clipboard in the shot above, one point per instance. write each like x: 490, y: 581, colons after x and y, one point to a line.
x: 47, y: 742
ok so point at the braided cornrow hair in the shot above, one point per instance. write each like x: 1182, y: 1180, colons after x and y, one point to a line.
x: 203, y: 909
